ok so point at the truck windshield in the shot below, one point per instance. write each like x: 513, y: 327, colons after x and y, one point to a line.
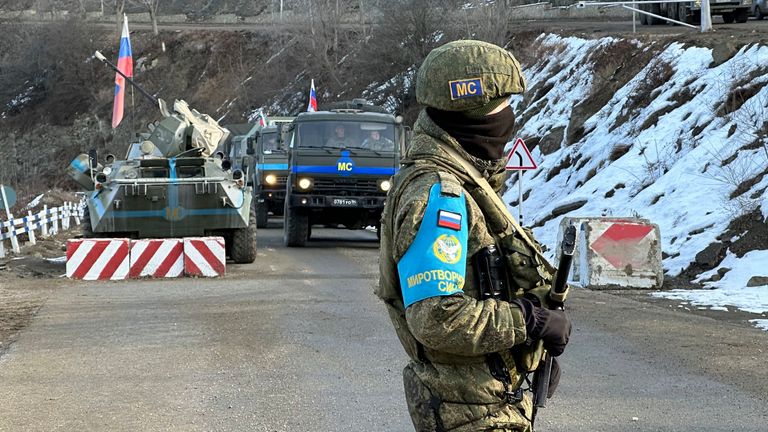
x: 270, y: 143
x: 376, y: 137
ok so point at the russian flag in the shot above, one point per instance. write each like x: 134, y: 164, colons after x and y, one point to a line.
x: 448, y: 219
x: 125, y: 65
x: 312, y: 106
x: 262, y: 119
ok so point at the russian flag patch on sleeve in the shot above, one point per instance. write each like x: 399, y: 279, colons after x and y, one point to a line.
x: 448, y: 219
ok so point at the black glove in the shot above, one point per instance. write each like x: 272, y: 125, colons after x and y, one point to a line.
x: 551, y: 326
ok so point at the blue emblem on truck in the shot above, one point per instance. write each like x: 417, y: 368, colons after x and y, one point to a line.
x: 345, y: 165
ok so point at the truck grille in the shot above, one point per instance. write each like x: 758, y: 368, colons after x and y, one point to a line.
x: 347, y: 186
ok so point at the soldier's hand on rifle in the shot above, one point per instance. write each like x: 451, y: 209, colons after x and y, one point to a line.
x: 551, y: 326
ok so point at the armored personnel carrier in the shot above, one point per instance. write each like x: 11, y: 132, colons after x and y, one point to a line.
x: 170, y: 184
x: 339, y: 168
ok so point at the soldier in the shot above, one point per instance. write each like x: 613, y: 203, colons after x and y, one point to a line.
x: 339, y: 138
x: 378, y: 143
x: 448, y: 247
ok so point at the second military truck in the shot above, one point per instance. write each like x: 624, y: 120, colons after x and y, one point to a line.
x: 271, y: 171
x: 340, y: 166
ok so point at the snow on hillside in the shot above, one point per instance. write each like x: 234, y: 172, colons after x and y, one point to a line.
x: 681, y: 144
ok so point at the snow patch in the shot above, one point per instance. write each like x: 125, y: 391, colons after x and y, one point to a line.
x: 676, y: 142
x: 762, y: 324
x: 732, y: 289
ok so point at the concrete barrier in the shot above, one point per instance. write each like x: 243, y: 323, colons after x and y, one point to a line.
x: 204, y: 256
x: 98, y: 259
x: 118, y: 259
x: 616, y: 253
x: 157, y: 258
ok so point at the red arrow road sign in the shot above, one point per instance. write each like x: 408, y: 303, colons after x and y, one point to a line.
x: 520, y: 157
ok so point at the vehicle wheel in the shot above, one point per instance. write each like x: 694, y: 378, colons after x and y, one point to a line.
x: 85, y: 223
x: 244, y: 240
x: 262, y: 215
x: 759, y: 14
x: 643, y: 17
x: 655, y: 9
x: 665, y: 11
x: 728, y: 18
x: 295, y: 227
x: 741, y: 16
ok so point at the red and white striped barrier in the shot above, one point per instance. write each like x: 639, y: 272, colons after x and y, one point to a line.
x: 157, y: 258
x: 97, y: 259
x: 204, y: 256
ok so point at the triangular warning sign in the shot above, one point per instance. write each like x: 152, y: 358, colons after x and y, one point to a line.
x: 520, y: 157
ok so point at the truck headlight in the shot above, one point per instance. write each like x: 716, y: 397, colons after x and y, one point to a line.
x: 305, y: 183
x: 385, y: 185
x: 270, y: 179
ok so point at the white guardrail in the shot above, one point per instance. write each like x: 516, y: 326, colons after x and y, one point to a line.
x: 47, y: 221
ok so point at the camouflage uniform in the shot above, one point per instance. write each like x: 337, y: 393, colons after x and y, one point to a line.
x: 435, y: 304
x: 382, y: 144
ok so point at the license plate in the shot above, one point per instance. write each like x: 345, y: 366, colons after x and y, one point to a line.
x: 344, y: 202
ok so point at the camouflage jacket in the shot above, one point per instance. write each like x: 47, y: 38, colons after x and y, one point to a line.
x: 449, y: 334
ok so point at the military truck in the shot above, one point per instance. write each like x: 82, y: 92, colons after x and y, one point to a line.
x: 170, y: 184
x: 690, y: 12
x: 340, y: 165
x: 234, y: 147
x: 270, y: 175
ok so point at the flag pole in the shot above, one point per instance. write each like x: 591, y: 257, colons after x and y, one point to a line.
x: 133, y: 117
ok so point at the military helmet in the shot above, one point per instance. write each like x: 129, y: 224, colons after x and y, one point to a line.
x: 470, y: 76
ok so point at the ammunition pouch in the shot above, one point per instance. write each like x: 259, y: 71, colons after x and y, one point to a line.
x: 522, y: 266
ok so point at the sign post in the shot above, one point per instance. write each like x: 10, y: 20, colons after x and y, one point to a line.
x: 8, y: 198
x: 520, y: 160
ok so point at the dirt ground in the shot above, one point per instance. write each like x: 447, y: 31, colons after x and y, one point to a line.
x: 25, y: 282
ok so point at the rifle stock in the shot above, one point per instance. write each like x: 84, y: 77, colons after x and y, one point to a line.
x: 542, y: 375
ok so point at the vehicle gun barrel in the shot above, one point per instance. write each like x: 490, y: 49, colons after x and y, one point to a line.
x: 99, y: 56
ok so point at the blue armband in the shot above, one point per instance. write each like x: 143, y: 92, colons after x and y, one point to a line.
x: 435, y: 263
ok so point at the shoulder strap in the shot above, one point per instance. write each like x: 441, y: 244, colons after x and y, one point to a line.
x: 480, y: 181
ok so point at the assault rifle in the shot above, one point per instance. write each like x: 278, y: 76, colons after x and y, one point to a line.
x: 543, y: 374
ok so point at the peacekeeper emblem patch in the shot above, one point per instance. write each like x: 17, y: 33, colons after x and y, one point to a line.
x: 447, y: 249
x: 435, y: 263
x: 465, y: 88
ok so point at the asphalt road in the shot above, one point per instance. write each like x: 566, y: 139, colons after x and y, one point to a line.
x: 298, y: 342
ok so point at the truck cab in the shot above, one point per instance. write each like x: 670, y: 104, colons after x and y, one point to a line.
x: 270, y: 173
x: 340, y: 165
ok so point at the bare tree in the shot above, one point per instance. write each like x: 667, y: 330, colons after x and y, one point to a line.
x: 81, y: 8
x: 119, y: 10
x: 489, y: 21
x: 151, y: 6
